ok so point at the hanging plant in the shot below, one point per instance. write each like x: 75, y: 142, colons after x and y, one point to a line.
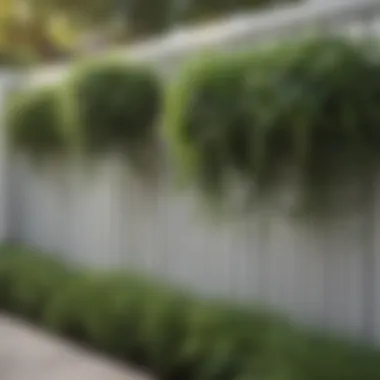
x: 34, y: 124
x: 111, y: 107
x: 311, y: 106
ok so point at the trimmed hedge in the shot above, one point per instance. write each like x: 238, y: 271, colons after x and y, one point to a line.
x: 34, y: 123
x: 170, y: 333
x: 110, y: 107
x: 309, y: 106
x: 101, y: 108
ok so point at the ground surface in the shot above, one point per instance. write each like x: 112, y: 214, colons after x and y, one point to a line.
x: 29, y: 354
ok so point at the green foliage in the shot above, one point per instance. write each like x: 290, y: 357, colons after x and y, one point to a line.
x: 100, y: 109
x: 145, y: 17
x: 29, y: 282
x: 163, y: 329
x: 110, y: 107
x: 311, y: 107
x: 34, y: 123
x: 87, y: 12
x: 104, y: 310
x: 205, y: 9
x: 64, y: 313
x: 170, y: 333
x: 9, y: 60
x: 220, y: 340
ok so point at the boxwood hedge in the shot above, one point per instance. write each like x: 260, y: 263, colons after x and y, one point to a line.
x: 112, y: 106
x: 170, y: 333
x: 34, y: 124
x: 100, y: 108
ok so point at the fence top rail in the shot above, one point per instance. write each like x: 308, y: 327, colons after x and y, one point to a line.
x: 239, y: 31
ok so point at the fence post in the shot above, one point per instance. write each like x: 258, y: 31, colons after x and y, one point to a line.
x: 8, y: 80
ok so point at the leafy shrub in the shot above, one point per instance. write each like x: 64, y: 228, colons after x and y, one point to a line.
x: 34, y: 122
x: 209, y: 347
x: 170, y: 333
x: 163, y: 330
x: 198, y: 9
x: 9, y: 258
x: 102, y: 309
x: 28, y: 282
x: 310, y: 106
x: 64, y: 313
x: 101, y: 108
x: 146, y: 17
x: 111, y: 107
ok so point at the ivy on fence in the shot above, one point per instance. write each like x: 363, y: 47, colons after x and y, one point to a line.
x: 310, y: 106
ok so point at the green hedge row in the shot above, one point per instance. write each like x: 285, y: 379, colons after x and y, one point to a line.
x: 173, y: 335
x: 309, y: 106
x: 99, y: 108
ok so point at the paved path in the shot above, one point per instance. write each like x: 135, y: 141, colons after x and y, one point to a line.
x: 29, y: 354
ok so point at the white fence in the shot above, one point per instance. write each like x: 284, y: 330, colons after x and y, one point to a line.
x: 321, y: 273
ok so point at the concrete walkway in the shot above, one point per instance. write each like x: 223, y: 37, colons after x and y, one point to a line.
x: 29, y: 354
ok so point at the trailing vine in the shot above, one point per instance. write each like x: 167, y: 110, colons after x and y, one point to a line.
x: 312, y: 106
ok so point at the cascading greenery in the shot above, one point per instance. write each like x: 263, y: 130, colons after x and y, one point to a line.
x: 308, y: 107
x: 111, y: 107
x: 34, y: 124
x: 311, y: 106
x: 100, y: 108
